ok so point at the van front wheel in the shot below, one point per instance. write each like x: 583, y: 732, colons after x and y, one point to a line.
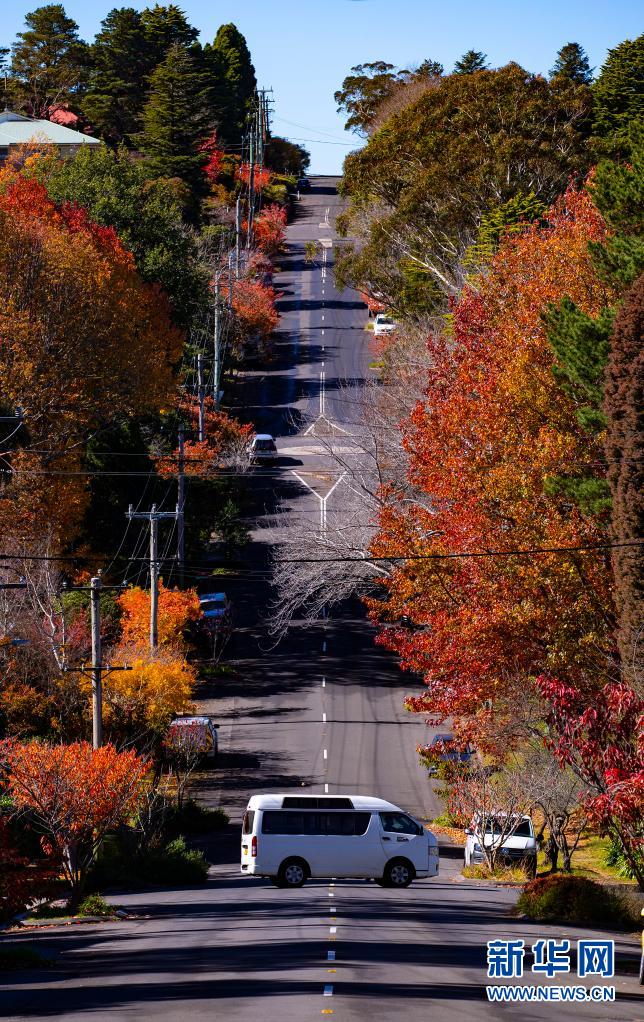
x: 293, y: 873
x: 398, y: 873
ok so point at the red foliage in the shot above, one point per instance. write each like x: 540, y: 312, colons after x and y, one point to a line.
x: 254, y: 306
x: 214, y: 157
x: 20, y: 882
x: 493, y: 427
x: 262, y: 176
x: 270, y: 227
x: 61, y: 115
x: 604, y: 743
x: 225, y: 438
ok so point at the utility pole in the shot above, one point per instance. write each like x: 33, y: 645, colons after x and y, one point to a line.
x: 231, y: 257
x: 97, y: 668
x: 97, y: 684
x: 201, y: 395
x: 154, y: 517
x: 251, y: 185
x: 216, y: 372
x: 238, y: 221
x: 181, y: 501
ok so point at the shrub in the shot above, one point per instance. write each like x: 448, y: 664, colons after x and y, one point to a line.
x: 95, y: 905
x: 617, y: 860
x: 194, y: 818
x: 572, y: 899
x: 175, y: 864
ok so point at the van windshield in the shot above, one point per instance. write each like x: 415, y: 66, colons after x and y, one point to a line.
x: 523, y: 830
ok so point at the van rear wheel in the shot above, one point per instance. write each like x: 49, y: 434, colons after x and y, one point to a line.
x: 293, y: 873
x: 398, y: 873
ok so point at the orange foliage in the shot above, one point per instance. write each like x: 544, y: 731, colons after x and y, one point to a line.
x: 75, y: 794
x: 270, y: 229
x: 262, y: 176
x: 177, y: 609
x: 225, y: 438
x: 254, y: 306
x: 158, y: 687
x: 80, y: 335
x: 494, y: 426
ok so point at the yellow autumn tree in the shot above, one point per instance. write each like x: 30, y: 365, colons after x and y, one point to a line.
x: 143, y: 700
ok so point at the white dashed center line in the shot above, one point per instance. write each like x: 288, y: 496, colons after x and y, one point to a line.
x: 325, y: 754
x: 324, y: 718
x: 326, y: 789
x: 333, y: 929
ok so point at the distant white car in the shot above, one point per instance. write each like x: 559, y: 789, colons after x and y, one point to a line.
x: 262, y: 449
x: 384, y: 324
x: 518, y: 847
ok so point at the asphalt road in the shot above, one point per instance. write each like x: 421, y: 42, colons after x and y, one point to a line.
x: 237, y: 948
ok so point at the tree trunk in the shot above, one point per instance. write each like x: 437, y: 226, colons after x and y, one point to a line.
x: 552, y: 852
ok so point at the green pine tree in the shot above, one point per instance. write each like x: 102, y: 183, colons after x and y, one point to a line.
x: 231, y: 70
x: 175, y: 121
x: 165, y: 26
x: 120, y: 63
x: 49, y: 61
x: 470, y: 62
x: 582, y: 345
x: 572, y: 63
x: 618, y: 97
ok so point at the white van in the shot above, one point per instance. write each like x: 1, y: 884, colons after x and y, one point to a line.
x: 289, y: 838
x: 518, y: 844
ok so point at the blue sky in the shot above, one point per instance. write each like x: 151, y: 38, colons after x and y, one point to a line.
x: 304, y: 49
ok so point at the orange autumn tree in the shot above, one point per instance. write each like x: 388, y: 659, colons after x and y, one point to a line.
x: 254, y: 307
x: 494, y: 429
x: 74, y: 795
x: 177, y: 610
x: 224, y: 444
x: 81, y: 336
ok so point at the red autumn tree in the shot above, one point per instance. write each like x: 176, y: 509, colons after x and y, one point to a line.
x: 604, y: 744
x: 254, y: 306
x: 75, y: 795
x: 270, y: 229
x: 262, y: 176
x: 214, y: 157
x: 494, y: 428
x: 224, y: 443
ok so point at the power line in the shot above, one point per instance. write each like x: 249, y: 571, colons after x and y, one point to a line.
x: 356, y: 560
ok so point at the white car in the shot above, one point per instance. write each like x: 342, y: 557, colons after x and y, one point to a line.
x: 262, y: 449
x: 384, y: 324
x: 290, y: 838
x: 519, y: 846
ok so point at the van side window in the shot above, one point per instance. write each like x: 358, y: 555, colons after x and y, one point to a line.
x: 398, y: 823
x: 340, y: 824
x: 277, y: 821
x: 247, y: 824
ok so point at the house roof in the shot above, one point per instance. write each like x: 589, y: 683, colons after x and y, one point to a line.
x: 16, y: 129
